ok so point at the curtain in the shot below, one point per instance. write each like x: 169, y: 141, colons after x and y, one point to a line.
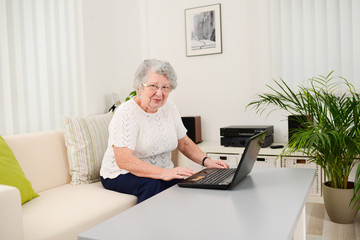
x: 312, y: 37
x: 41, y: 64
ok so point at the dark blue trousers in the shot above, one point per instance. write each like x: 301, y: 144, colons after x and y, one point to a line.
x: 141, y: 187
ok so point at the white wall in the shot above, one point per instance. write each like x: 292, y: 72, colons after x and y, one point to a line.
x: 217, y: 87
x: 112, y: 46
x: 119, y: 34
x: 262, y: 40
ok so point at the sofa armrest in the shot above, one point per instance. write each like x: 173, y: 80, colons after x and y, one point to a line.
x: 11, y: 221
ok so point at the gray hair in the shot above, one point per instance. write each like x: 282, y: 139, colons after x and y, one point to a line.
x: 161, y: 67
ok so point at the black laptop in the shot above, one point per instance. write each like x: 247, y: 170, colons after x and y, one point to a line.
x: 226, y: 178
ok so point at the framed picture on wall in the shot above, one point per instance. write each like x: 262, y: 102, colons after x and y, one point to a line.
x: 203, y: 30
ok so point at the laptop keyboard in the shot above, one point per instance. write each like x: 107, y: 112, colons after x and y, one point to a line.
x: 217, y: 176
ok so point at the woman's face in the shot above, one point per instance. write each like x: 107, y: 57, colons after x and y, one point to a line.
x: 154, y: 92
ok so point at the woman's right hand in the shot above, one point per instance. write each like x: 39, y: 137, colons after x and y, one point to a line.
x: 176, y: 173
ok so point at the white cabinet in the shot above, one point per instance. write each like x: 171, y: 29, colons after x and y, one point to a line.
x: 230, y: 158
x: 267, y: 161
x: 303, y: 162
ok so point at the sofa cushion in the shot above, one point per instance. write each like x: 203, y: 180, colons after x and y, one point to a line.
x: 66, y: 211
x: 86, y: 141
x: 43, y: 158
x: 11, y: 173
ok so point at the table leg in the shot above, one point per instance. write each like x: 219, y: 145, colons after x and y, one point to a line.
x: 300, y: 230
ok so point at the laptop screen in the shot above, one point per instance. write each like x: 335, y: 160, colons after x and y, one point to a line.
x: 249, y: 157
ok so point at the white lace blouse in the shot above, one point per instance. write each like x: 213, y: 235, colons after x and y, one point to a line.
x: 151, y: 135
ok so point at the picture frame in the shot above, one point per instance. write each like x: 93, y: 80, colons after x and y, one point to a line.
x: 203, y: 30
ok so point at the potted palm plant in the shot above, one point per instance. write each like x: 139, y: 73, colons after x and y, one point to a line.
x: 329, y: 116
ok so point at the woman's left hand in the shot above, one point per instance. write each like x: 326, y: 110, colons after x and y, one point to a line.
x: 209, y: 163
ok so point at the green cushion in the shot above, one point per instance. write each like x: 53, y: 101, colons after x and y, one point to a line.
x: 11, y: 173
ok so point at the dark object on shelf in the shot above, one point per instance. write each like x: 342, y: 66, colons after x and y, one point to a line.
x: 275, y: 146
x: 193, y: 125
x: 242, y: 141
x: 294, y: 123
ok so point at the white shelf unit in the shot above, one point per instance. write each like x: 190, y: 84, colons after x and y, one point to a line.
x: 303, y: 162
x: 231, y: 158
x: 267, y: 161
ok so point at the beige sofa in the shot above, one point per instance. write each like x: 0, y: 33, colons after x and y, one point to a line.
x: 63, y: 210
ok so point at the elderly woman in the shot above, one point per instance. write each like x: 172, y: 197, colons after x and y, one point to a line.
x: 142, y: 134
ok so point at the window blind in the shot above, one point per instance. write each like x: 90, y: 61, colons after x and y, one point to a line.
x: 41, y: 64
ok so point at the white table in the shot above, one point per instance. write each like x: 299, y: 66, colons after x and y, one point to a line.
x: 265, y: 205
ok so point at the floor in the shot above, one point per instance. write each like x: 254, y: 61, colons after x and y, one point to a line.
x: 319, y: 226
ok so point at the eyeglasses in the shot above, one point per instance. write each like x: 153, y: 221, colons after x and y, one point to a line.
x: 155, y: 88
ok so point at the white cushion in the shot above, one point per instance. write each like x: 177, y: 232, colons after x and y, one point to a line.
x: 66, y: 211
x: 86, y: 141
x: 42, y: 157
